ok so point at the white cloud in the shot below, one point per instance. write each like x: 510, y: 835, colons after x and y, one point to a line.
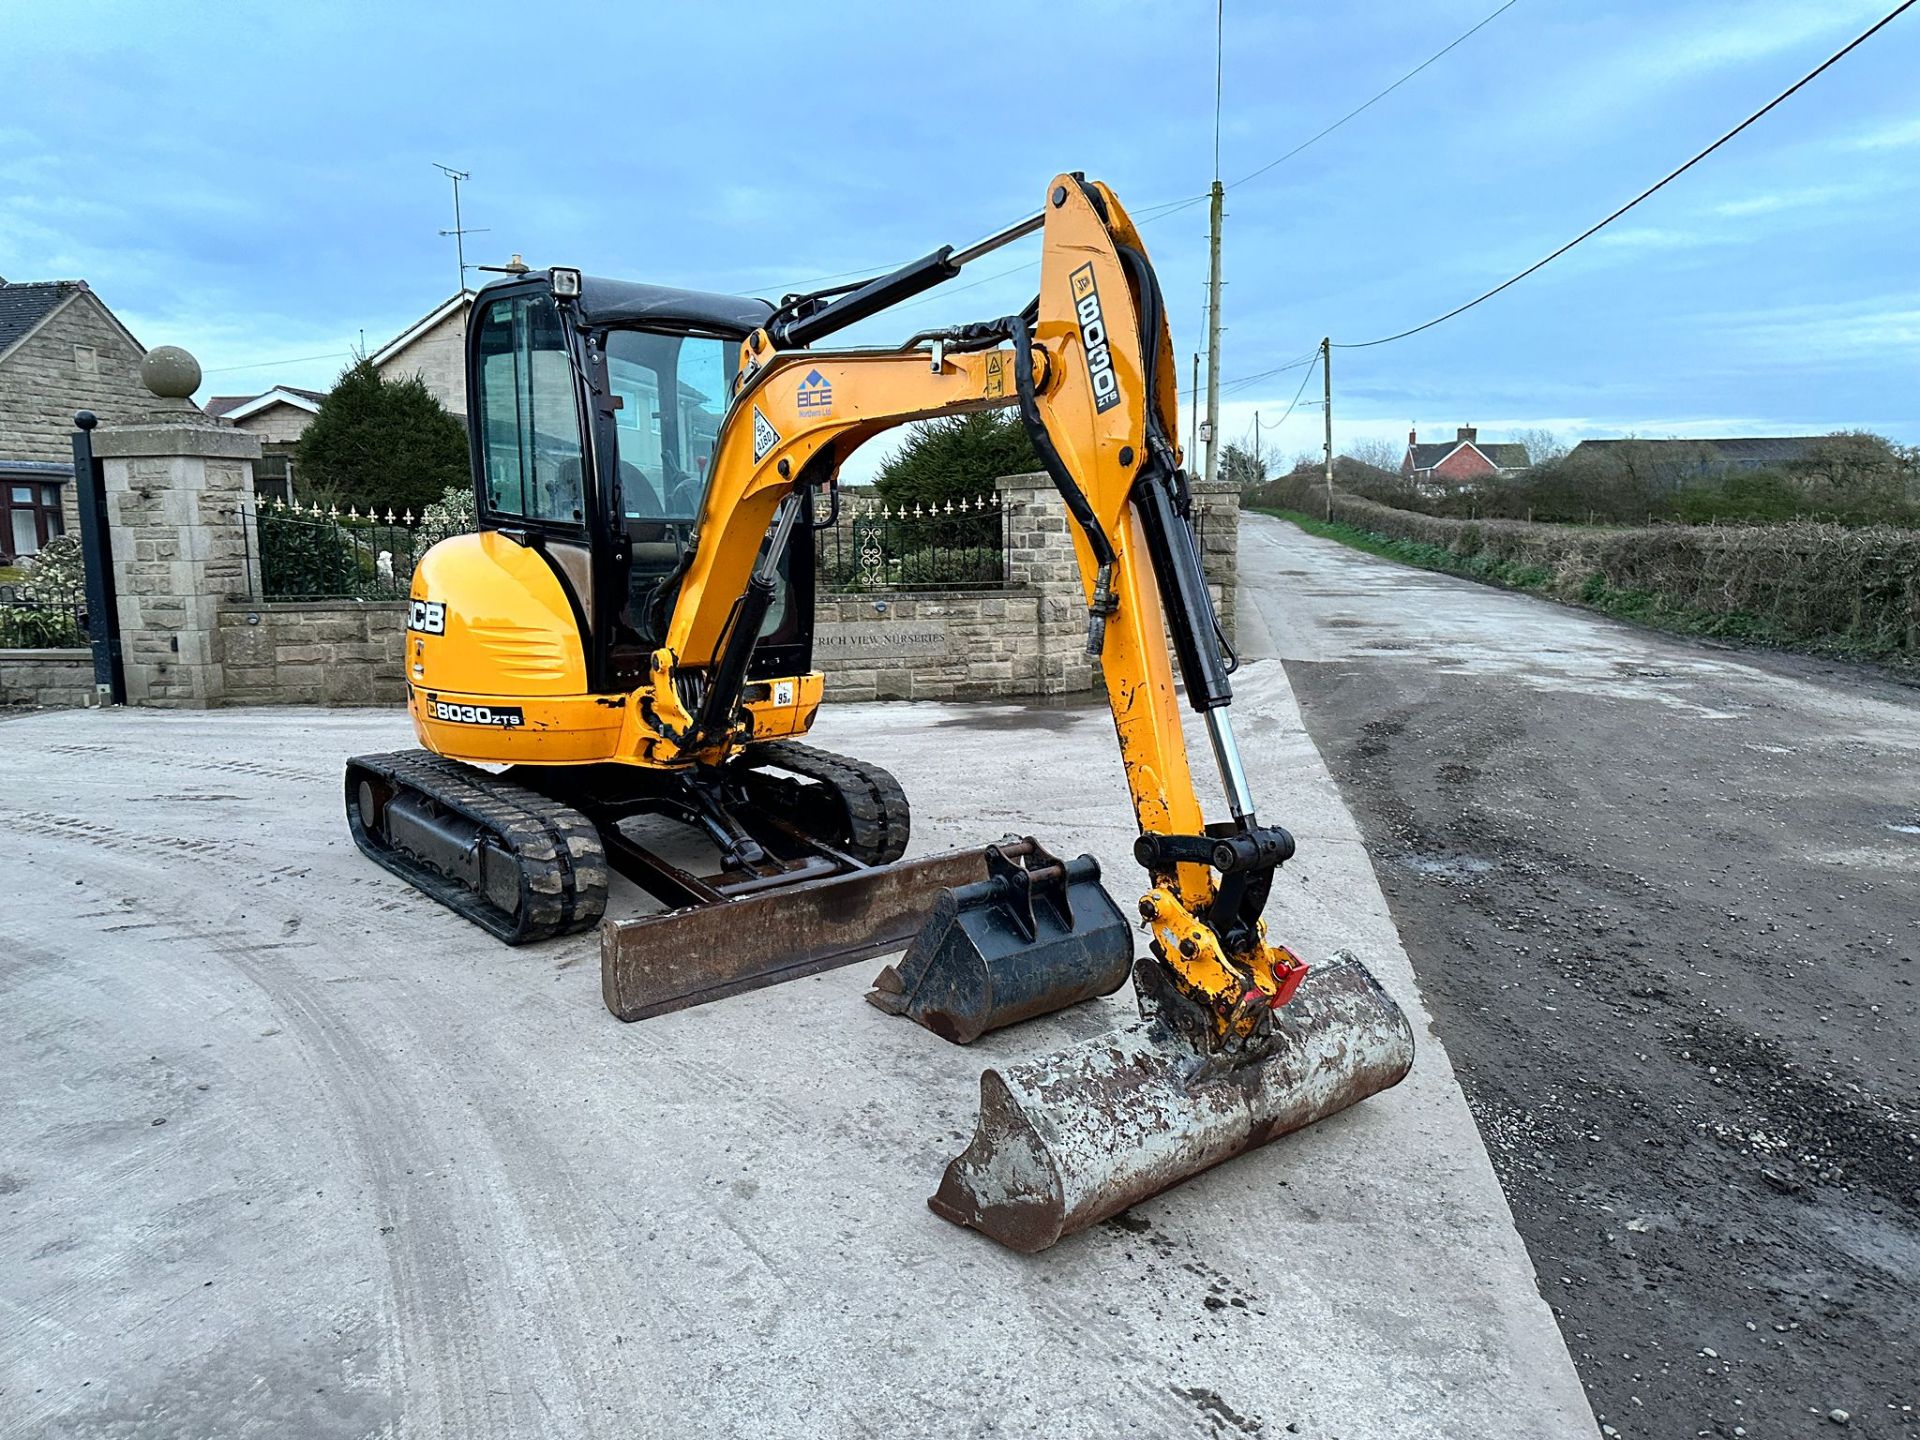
x: 1884, y: 326
x: 1900, y: 135
x: 1655, y: 237
x: 1770, y: 203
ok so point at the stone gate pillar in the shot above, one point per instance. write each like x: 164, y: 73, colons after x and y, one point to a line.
x: 1219, y: 527
x: 175, y: 487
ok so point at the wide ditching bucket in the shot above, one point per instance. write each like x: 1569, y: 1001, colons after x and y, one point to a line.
x: 655, y: 964
x: 1032, y: 938
x: 1071, y: 1138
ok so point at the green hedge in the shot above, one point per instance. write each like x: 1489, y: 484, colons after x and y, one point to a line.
x: 1809, y: 586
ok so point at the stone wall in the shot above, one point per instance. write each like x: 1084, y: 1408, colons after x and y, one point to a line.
x: 939, y: 645
x: 192, y: 635
x: 321, y: 652
x: 56, y: 679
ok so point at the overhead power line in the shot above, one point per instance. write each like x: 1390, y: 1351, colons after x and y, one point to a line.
x: 1659, y: 184
x: 1160, y: 211
x: 269, y: 364
x: 1242, y: 380
x: 1359, y: 109
x: 1296, y: 395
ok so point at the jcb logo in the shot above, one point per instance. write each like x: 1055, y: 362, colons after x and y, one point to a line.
x: 429, y: 617
x: 1093, y: 339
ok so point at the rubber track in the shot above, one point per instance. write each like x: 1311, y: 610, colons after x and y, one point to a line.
x: 558, y: 850
x: 876, y: 806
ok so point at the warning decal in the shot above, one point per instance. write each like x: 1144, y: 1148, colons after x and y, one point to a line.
x: 765, y: 437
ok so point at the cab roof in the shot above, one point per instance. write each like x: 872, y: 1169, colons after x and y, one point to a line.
x: 629, y: 302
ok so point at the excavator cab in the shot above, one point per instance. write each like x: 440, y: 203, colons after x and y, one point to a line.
x: 597, y: 408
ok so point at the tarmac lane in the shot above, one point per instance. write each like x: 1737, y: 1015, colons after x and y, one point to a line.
x: 1663, y: 898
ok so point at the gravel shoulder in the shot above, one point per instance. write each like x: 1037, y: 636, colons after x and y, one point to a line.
x: 1664, y: 901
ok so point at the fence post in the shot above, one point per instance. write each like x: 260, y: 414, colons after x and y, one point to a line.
x: 96, y: 552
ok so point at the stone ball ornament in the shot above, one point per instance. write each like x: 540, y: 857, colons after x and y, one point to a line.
x: 170, y: 372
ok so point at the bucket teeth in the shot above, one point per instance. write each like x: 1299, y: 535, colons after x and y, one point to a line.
x: 1071, y: 1138
x: 1030, y: 939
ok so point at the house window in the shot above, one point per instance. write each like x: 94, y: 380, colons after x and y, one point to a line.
x: 32, y: 518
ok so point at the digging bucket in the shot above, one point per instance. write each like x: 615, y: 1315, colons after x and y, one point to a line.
x: 1071, y: 1138
x: 1032, y: 938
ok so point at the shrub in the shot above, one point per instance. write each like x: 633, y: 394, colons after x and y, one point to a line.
x: 454, y: 513
x: 25, y: 628
x: 305, y: 557
x: 954, y: 459
x: 380, y: 443
x: 942, y: 569
x: 59, y: 573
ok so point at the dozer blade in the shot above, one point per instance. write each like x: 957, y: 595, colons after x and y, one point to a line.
x: 1030, y: 939
x: 657, y: 964
x: 1067, y: 1140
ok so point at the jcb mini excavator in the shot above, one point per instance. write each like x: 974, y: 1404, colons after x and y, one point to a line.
x: 629, y: 634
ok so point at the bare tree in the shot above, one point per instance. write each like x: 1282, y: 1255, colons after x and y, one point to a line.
x: 1380, y: 454
x: 1543, y: 446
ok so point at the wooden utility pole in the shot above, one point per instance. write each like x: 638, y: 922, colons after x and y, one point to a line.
x: 1326, y: 411
x: 1216, y: 211
x: 1258, y: 464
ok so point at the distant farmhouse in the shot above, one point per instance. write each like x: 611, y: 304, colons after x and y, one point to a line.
x: 1702, y: 457
x: 1444, y: 464
x: 61, y: 350
x: 434, y: 347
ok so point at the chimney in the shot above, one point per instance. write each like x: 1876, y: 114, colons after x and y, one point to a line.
x: 1467, y: 434
x: 1413, y: 438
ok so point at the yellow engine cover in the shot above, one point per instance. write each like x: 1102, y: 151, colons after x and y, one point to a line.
x: 495, y: 667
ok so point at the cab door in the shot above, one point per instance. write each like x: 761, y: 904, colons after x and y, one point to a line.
x: 532, y: 458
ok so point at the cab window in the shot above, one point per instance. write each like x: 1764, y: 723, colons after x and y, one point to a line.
x: 529, y: 415
x: 673, y: 392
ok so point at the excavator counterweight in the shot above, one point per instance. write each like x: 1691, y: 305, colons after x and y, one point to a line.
x: 630, y: 636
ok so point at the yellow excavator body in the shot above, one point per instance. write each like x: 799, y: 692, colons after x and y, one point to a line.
x: 496, y: 671
x: 631, y: 634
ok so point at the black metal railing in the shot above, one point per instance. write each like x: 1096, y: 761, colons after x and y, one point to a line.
x: 306, y: 553
x: 958, y: 545
x: 32, y: 619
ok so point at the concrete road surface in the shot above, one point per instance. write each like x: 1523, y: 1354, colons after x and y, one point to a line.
x: 1665, y: 901
x: 289, y: 1150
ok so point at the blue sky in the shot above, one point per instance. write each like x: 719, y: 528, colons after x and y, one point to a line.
x: 256, y: 182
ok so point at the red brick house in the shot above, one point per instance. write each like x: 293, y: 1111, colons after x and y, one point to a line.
x: 1458, y: 461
